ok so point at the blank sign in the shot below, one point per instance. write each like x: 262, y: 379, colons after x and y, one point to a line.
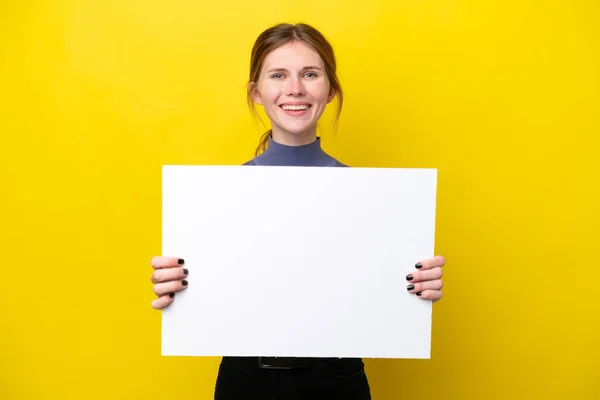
x: 298, y: 261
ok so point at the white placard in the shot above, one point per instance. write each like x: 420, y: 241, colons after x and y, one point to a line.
x: 298, y: 261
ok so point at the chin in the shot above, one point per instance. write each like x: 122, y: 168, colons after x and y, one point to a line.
x: 298, y: 130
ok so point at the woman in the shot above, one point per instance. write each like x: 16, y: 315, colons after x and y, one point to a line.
x: 293, y: 76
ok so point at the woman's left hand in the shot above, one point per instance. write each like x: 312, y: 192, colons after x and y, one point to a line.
x: 426, y: 281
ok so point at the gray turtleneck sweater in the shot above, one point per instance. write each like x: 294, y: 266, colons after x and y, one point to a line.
x: 309, y: 155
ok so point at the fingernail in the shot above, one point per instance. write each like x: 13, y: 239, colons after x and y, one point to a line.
x: 409, y: 277
x: 410, y: 287
x: 184, y: 282
x: 185, y: 271
x: 418, y: 265
x: 418, y: 293
x: 171, y: 295
x: 180, y: 261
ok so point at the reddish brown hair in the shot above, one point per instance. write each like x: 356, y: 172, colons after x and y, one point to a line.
x: 282, y: 34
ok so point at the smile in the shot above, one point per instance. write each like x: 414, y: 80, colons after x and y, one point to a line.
x: 295, y: 107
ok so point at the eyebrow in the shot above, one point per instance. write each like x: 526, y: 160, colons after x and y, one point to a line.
x: 285, y: 70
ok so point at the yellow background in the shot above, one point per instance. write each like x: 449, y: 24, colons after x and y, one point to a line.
x: 502, y: 97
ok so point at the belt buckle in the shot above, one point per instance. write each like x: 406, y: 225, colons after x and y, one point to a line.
x: 276, y: 362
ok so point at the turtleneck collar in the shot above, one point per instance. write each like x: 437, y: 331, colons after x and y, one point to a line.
x: 278, y: 154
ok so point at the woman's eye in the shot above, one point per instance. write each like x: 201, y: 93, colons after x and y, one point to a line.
x: 311, y: 75
x: 276, y: 76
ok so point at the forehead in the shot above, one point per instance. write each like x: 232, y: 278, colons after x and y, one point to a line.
x: 292, y: 56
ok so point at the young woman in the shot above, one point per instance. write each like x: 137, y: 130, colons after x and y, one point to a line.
x: 293, y: 76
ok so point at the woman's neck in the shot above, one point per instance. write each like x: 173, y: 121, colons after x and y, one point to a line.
x: 294, y: 139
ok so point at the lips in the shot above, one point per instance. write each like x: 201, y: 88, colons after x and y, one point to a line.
x: 295, y: 109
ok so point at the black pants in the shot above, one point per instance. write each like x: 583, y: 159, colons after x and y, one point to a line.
x: 325, y: 378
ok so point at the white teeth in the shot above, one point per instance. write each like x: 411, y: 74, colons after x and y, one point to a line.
x: 295, y: 108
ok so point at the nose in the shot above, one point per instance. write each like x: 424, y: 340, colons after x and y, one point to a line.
x: 295, y: 87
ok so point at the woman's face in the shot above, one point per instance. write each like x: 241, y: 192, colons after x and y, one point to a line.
x: 294, y: 90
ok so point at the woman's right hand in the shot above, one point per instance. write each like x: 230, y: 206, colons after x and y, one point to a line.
x: 168, y: 278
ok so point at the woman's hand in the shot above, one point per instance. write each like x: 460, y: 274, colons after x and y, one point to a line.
x: 426, y: 282
x: 168, y: 278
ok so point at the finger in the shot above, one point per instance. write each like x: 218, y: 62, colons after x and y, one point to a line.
x: 427, y: 285
x: 163, y: 301
x: 168, y: 274
x: 434, y: 295
x: 435, y: 262
x: 166, y: 262
x: 427, y: 275
x: 168, y: 287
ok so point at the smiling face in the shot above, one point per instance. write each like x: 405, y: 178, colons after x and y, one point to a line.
x: 294, y: 90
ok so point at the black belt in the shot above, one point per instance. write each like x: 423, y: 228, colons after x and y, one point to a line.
x: 284, y: 362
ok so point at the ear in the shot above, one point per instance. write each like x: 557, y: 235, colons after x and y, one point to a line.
x: 331, y: 96
x: 254, y: 94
